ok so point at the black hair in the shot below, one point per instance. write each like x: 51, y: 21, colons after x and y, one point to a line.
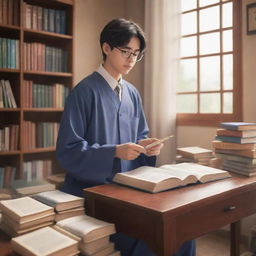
x: 118, y: 33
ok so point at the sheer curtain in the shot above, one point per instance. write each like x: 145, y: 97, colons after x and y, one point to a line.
x: 161, y: 60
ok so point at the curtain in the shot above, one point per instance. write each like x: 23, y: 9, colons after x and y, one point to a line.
x: 161, y: 66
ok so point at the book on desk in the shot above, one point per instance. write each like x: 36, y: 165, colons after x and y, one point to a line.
x: 153, y: 179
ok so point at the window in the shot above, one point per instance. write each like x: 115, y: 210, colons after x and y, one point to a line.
x: 209, y: 87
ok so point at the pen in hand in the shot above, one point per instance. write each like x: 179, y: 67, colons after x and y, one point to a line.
x: 155, y: 143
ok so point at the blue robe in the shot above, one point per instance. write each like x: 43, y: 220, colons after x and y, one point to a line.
x: 93, y: 123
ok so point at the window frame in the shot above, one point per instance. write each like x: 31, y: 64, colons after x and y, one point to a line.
x: 198, y: 119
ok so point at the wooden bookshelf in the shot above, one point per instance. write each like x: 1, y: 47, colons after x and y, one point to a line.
x: 51, y: 40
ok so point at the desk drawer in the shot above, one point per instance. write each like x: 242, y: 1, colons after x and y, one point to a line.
x: 212, y: 216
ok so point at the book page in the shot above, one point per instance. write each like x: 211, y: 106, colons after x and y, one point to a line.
x: 24, y: 206
x: 153, y: 174
x: 44, y: 241
x: 201, y: 172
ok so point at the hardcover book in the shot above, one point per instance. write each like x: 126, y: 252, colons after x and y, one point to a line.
x: 233, y: 133
x: 240, y: 126
x: 236, y: 139
x: 166, y: 177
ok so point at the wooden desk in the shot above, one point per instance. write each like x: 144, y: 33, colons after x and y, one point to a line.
x: 165, y: 220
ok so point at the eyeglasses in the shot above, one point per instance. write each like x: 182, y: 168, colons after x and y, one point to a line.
x: 128, y: 54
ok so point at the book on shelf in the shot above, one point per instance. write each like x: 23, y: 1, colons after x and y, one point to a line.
x: 194, y: 152
x: 239, y: 126
x: 232, y: 146
x: 153, y: 179
x: 59, y: 200
x: 244, y: 153
x: 55, y: 243
x: 236, y: 133
x: 87, y: 228
x: 25, y: 208
x: 24, y: 187
x: 235, y: 139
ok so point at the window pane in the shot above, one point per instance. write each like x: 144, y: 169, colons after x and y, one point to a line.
x: 210, y: 103
x: 228, y: 102
x: 187, y: 103
x: 227, y: 41
x: 210, y: 73
x: 188, y: 76
x: 207, y: 2
x: 227, y: 15
x: 228, y: 72
x: 210, y: 43
x: 188, y: 46
x: 188, y: 5
x: 188, y: 23
x: 209, y: 18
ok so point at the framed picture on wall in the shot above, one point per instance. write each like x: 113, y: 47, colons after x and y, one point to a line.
x: 251, y: 18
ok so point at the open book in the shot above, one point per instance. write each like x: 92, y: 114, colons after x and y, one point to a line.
x: 165, y: 177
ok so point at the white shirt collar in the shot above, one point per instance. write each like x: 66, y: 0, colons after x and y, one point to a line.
x: 110, y: 79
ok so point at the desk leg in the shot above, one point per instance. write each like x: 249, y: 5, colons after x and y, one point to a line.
x: 235, y: 239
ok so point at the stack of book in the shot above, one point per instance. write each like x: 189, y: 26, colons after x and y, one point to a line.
x: 22, y: 215
x: 235, y: 145
x: 56, y: 179
x: 27, y: 188
x: 65, y: 205
x: 46, y: 241
x: 94, y: 234
x: 198, y: 155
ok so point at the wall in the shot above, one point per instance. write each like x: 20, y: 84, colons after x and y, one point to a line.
x: 90, y: 18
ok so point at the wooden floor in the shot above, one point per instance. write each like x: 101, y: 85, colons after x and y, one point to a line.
x: 216, y: 244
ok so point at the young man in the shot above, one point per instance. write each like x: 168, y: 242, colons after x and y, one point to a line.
x: 103, y: 129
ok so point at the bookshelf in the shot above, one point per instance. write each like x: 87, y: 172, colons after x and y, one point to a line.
x: 36, y: 58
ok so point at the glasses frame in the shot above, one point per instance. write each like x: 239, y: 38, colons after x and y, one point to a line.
x: 131, y: 54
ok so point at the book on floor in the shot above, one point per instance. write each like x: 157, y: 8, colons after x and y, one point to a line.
x: 25, y: 208
x: 45, y: 241
x: 87, y: 228
x: 59, y: 200
x: 153, y: 179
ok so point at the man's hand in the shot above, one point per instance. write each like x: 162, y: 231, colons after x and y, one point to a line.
x: 154, y: 151
x: 129, y: 151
